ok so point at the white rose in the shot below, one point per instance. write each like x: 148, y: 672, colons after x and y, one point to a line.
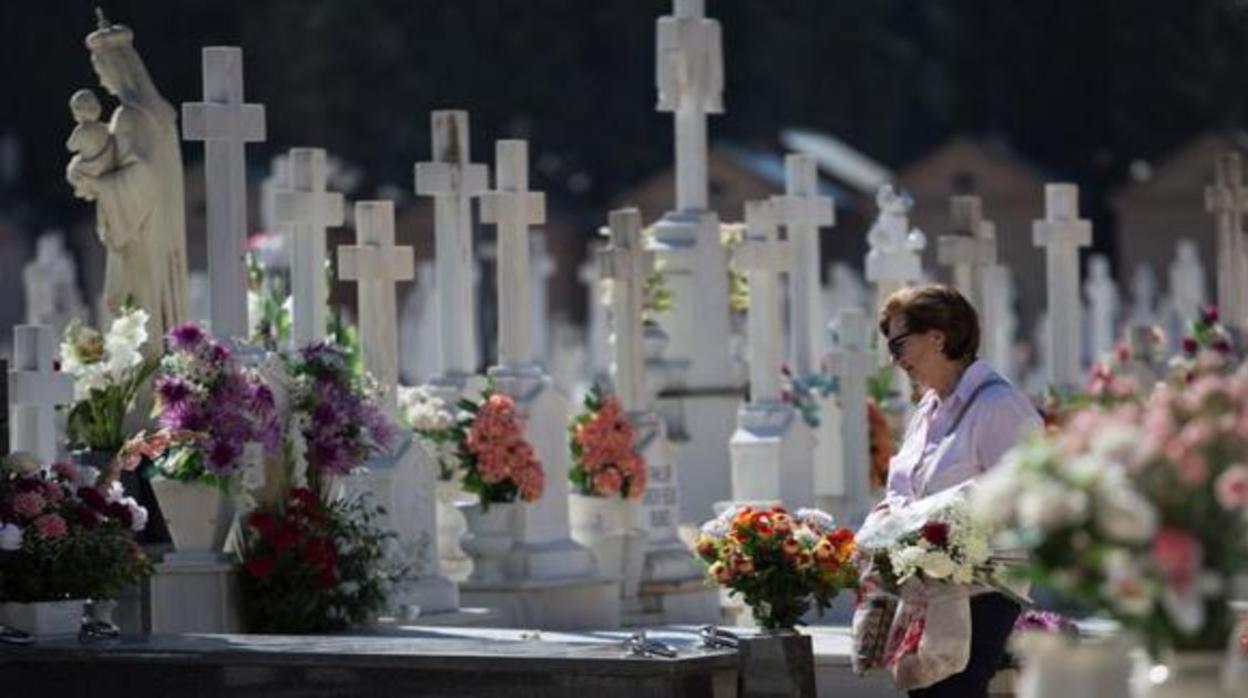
x: 976, y: 550
x: 937, y: 564
x: 963, y: 574
x: 10, y: 537
x: 138, y: 514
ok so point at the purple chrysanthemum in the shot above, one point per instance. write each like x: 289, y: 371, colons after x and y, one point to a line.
x: 186, y: 336
x: 173, y: 390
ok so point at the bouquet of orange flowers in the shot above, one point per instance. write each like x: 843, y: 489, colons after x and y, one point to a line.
x: 604, y: 462
x: 778, y: 562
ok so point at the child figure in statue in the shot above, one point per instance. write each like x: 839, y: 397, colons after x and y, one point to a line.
x: 94, y: 149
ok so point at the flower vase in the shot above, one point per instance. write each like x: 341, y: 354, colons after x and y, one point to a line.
x: 199, y: 519
x: 1189, y: 675
x: 43, y: 619
x: 489, y: 539
x: 612, y: 528
x: 451, y: 529
x: 779, y: 615
x: 1054, y: 664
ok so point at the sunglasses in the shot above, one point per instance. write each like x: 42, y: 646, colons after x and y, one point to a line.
x: 897, y: 344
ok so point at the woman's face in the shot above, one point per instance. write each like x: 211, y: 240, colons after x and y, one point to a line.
x: 916, y: 353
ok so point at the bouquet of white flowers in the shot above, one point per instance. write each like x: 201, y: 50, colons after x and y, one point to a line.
x: 108, y: 370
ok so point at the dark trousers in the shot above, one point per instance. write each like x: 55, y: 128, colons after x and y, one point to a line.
x: 992, y: 620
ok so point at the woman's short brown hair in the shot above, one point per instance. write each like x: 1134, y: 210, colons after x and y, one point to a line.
x: 936, y: 307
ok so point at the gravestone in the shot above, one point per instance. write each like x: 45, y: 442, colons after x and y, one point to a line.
x: 1226, y: 199
x: 51, y: 283
x: 225, y: 123
x: 553, y: 581
x: 894, y: 259
x: 1062, y: 233
x: 842, y: 485
x: 543, y: 271
x: 596, y: 328
x: 772, y: 448
x: 304, y: 210
x: 1144, y: 295
x: 1187, y: 284
x: 1102, y: 304
x: 701, y: 382
x: 845, y: 289
x: 971, y: 250
x: 418, y: 328
x: 453, y: 181
x: 1000, y: 320
x: 35, y: 390
x: 672, y: 588
x: 803, y: 211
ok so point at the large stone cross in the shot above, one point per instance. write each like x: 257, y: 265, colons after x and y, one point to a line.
x: 1227, y: 199
x: 803, y: 211
x: 453, y: 181
x: 764, y: 257
x: 627, y: 263
x: 305, y: 210
x: 852, y: 362
x: 375, y: 264
x: 225, y: 123
x: 689, y: 74
x: 513, y: 208
x: 971, y: 250
x: 35, y: 390
x: 1062, y: 233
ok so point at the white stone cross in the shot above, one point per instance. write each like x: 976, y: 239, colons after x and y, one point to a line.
x: 225, y: 123
x: 513, y: 208
x: 1227, y: 200
x: 971, y: 250
x: 375, y: 264
x: 453, y: 181
x: 596, y: 330
x: 764, y: 257
x: 1062, y: 233
x: 626, y: 262
x: 1103, y: 304
x: 35, y: 390
x: 305, y: 210
x: 852, y: 362
x: 690, y: 79
x: 802, y: 211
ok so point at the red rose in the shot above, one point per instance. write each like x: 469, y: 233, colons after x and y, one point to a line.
x: 92, y: 498
x: 263, y: 522
x: 259, y: 567
x: 287, y: 536
x: 936, y: 533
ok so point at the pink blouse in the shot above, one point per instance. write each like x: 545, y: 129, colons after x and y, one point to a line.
x: 931, y: 459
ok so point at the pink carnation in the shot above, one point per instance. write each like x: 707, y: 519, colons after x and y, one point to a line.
x: 51, y: 526
x: 533, y: 482
x: 28, y: 504
x: 1231, y: 487
x: 53, y: 491
x: 608, y: 482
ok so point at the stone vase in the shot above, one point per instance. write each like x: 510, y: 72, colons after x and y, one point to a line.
x: 777, y: 663
x: 452, y: 526
x: 1056, y: 665
x: 199, y: 518
x: 43, y: 618
x: 490, y: 537
x: 613, y: 529
x: 1190, y: 675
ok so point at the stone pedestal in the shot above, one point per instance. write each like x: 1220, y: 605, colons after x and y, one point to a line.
x: 552, y: 582
x: 775, y: 665
x: 771, y: 456
x: 193, y: 597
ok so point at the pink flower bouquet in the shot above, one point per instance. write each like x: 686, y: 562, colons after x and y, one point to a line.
x: 604, y: 462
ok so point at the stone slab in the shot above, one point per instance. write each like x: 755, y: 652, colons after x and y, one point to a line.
x: 559, y: 604
x: 485, y: 664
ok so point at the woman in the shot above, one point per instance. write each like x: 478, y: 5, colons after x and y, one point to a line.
x: 968, y: 417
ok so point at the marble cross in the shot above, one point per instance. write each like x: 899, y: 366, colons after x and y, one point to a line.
x: 1227, y: 200
x: 803, y: 211
x: 376, y: 264
x: 453, y: 181
x: 35, y: 390
x: 596, y: 329
x: 626, y: 262
x: 764, y: 257
x: 971, y: 250
x: 852, y: 362
x: 1062, y: 233
x: 1103, y: 304
x: 225, y: 123
x: 513, y: 208
x: 690, y: 79
x: 305, y: 210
